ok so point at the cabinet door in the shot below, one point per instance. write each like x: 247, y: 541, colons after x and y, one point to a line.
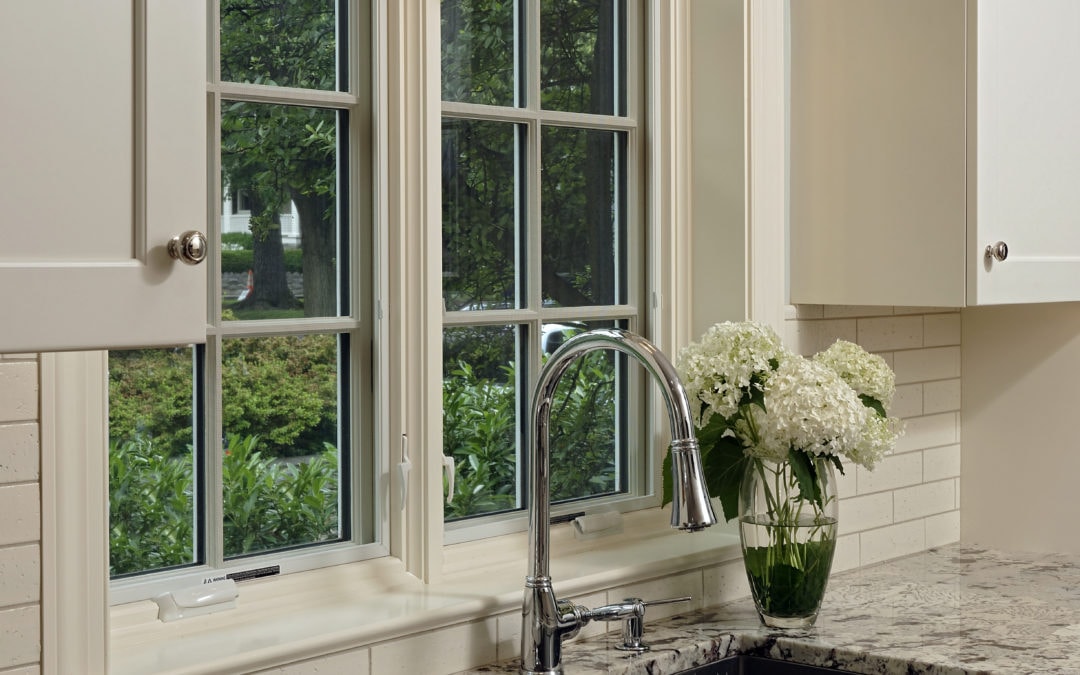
x: 102, y: 161
x: 877, y: 152
x: 1027, y: 169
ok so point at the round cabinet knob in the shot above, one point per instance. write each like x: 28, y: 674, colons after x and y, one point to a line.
x: 189, y: 247
x: 998, y: 251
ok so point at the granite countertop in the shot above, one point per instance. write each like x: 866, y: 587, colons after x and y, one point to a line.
x: 953, y: 610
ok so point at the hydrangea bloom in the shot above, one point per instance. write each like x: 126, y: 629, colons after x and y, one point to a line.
x: 774, y: 401
x: 728, y: 361
x: 867, y: 373
x: 810, y: 408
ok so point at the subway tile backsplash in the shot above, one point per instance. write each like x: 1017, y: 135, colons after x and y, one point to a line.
x: 910, y: 502
x: 20, y: 515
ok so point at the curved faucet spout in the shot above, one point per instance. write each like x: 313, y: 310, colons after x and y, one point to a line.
x: 545, y: 621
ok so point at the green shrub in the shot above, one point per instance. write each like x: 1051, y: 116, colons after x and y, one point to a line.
x: 242, y: 260
x: 150, y: 508
x: 237, y: 241
x: 280, y: 388
x: 267, y: 503
x: 480, y: 434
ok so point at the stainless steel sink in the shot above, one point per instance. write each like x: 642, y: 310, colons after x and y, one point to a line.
x: 756, y: 665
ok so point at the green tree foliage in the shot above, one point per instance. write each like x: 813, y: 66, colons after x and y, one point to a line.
x: 282, y: 389
x: 278, y: 153
x: 482, y: 179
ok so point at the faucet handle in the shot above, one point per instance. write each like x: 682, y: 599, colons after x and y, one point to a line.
x: 633, y: 611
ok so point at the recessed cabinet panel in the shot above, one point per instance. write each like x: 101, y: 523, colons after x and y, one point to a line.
x: 103, y: 161
x: 923, y: 131
x: 877, y: 152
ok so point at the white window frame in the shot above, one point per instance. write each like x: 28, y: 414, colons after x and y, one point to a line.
x: 364, y: 541
x: 633, y: 309
x: 75, y: 632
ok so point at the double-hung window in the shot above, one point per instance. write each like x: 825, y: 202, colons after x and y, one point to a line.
x: 252, y: 453
x: 542, y: 239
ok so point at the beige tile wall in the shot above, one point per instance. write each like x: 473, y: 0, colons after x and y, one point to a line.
x: 911, y: 501
x: 20, y: 516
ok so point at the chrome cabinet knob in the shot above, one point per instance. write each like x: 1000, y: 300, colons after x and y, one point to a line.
x: 189, y: 247
x: 998, y: 251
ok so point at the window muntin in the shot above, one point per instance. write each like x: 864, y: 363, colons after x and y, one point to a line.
x: 282, y: 472
x: 560, y: 207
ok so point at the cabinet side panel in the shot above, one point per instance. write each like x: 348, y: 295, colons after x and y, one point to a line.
x: 877, y: 164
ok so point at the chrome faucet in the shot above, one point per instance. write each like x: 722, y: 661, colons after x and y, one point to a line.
x: 546, y: 621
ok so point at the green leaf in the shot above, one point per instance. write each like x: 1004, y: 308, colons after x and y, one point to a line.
x: 835, y: 459
x: 724, y: 463
x: 806, y: 475
x: 668, y: 494
x: 871, y: 402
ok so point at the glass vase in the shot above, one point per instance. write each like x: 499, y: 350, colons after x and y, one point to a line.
x: 787, y: 526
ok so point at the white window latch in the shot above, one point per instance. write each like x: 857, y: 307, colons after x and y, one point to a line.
x: 449, y: 468
x: 403, y: 470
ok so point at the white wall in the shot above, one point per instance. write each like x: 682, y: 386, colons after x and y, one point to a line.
x: 718, y: 169
x: 1021, y: 446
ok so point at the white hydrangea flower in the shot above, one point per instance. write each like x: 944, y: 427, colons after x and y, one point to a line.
x: 729, y: 359
x: 808, y: 407
x: 868, y: 374
x: 878, y: 438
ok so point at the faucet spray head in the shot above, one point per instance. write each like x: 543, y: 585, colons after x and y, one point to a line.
x: 691, y: 509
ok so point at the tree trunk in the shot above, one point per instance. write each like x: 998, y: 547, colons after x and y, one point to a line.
x: 271, y: 288
x: 318, y: 240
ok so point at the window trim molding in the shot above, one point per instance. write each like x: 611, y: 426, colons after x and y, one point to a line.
x: 74, y: 512
x: 766, y: 143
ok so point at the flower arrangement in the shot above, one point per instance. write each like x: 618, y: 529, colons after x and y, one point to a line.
x: 757, y: 400
x: 771, y: 424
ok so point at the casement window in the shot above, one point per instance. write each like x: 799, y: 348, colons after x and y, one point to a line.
x: 542, y: 238
x: 254, y: 450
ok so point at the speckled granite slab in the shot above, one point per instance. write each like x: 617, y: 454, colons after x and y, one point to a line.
x: 956, y: 610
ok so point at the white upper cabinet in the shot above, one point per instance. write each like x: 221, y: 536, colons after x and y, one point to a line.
x: 102, y: 161
x: 924, y: 131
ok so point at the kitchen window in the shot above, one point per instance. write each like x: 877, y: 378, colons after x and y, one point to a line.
x: 542, y: 239
x: 255, y: 449
x: 398, y: 304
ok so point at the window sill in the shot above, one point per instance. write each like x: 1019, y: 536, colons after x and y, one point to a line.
x: 309, y: 614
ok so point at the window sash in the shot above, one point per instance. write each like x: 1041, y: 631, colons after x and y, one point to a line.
x: 363, y: 513
x: 632, y: 312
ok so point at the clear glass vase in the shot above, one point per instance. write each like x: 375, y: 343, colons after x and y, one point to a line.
x: 787, y: 525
